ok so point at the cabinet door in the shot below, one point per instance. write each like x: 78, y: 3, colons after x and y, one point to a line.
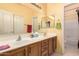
x: 50, y: 46
x: 26, y: 51
x: 17, y: 52
x: 34, y: 49
x: 54, y: 43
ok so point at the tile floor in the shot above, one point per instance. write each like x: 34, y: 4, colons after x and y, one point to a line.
x: 71, y: 48
x: 69, y: 51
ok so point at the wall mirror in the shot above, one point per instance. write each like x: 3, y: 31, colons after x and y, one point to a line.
x: 11, y: 23
x: 48, y: 22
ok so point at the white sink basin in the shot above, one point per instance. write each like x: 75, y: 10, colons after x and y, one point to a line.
x: 19, y: 43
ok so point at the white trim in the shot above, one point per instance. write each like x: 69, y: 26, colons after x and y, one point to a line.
x: 63, y: 31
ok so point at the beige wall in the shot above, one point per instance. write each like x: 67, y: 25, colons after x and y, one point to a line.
x: 19, y: 10
x: 57, y: 10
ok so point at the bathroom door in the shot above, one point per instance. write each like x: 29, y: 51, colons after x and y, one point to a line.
x: 71, y: 29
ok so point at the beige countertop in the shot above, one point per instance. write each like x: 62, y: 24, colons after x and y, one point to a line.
x: 11, y: 41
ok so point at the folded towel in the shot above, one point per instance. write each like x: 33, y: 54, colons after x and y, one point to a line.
x: 3, y: 47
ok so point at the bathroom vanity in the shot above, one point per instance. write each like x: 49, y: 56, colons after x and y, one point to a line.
x: 43, y: 46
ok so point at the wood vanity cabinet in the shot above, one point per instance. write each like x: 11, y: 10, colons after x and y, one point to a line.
x: 34, y: 49
x: 26, y: 50
x: 43, y: 48
x: 52, y: 45
x: 16, y: 52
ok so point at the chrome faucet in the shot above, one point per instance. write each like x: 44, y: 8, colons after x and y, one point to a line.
x: 19, y: 38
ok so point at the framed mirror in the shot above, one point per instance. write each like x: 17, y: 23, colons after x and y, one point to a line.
x: 48, y: 22
x: 11, y: 23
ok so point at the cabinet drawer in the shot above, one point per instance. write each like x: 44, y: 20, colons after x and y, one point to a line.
x: 45, y: 53
x: 44, y: 48
x: 45, y: 42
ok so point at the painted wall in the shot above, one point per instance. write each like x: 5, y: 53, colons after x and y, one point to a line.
x: 58, y: 11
